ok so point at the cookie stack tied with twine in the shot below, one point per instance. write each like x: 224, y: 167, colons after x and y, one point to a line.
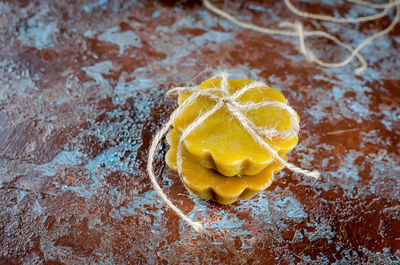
x: 229, y: 138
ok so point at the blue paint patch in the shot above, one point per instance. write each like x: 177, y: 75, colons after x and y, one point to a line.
x: 261, y: 205
x: 385, y: 257
x: 361, y: 109
x: 212, y: 36
x: 21, y: 196
x: 360, y: 10
x: 242, y: 71
x: 273, y: 210
x: 85, y: 191
x: 267, y: 15
x: 292, y: 208
x: 139, y: 205
x: 370, y: 75
x: 156, y: 14
x: 143, y: 81
x: 110, y: 158
x: 72, y: 158
x: 206, y: 21
x: 385, y: 167
x: 176, y: 56
x: 99, y: 4
x: 390, y: 117
x: 116, y: 198
x: 228, y: 221
x: 37, y: 208
x: 356, y: 108
x: 124, y: 40
x: 328, y: 3
x: 298, y: 235
x: 96, y: 71
x: 337, y: 93
x: 373, y: 137
x: 40, y: 34
x: 349, y: 170
x: 321, y: 231
x: 387, y: 124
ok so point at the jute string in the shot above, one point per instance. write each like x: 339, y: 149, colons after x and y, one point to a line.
x: 238, y: 111
x: 298, y: 31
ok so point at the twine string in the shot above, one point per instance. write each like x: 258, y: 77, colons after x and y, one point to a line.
x: 298, y: 30
x: 237, y: 110
x: 300, y: 13
x: 389, y: 4
x: 198, y: 227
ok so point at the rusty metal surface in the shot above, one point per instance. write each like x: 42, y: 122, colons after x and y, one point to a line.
x: 82, y: 91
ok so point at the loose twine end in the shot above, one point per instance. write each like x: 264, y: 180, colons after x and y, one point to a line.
x: 199, y: 228
x: 315, y: 174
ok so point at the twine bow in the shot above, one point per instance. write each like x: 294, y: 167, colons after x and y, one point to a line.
x: 237, y: 110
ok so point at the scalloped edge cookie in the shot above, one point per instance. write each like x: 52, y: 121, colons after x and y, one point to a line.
x: 237, y: 163
x: 211, y: 185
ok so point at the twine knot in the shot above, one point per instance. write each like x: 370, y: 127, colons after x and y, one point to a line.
x: 226, y: 100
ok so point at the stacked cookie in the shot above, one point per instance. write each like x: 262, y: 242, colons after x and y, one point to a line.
x: 219, y: 159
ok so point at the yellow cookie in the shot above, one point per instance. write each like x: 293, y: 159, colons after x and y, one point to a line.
x: 211, y: 185
x: 221, y: 142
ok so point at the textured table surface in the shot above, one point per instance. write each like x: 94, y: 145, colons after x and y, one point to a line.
x: 82, y: 92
